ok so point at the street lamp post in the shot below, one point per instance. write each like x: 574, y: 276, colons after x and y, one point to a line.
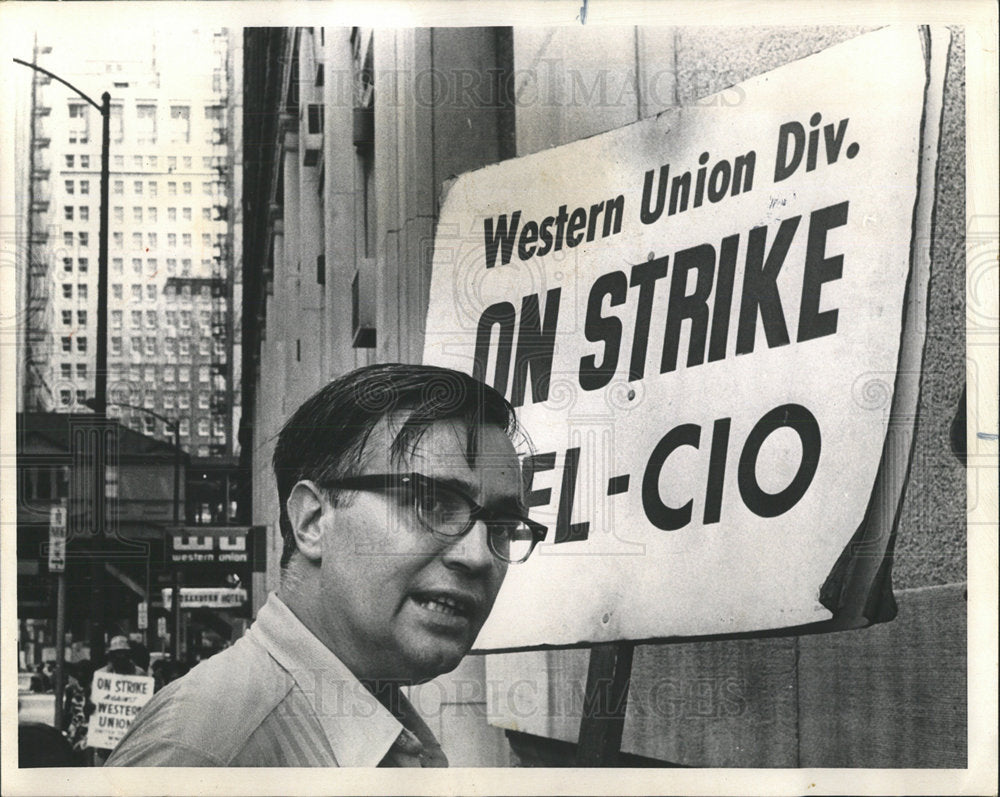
x: 100, y: 391
x: 175, y: 427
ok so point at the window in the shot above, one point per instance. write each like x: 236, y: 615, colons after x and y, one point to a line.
x: 187, y: 214
x: 186, y: 267
x: 202, y: 373
x: 116, y: 319
x: 66, y: 371
x: 171, y: 214
x: 116, y: 346
x: 206, y: 214
x: 137, y: 161
x: 171, y: 318
x: 68, y: 264
x: 137, y: 187
x: 151, y: 265
x: 67, y: 239
x: 149, y: 400
x: 119, y: 161
x: 171, y: 188
x: 172, y: 240
x: 136, y: 265
x: 148, y: 425
x: 171, y: 265
x: 118, y: 239
x: 186, y: 238
x: 153, y: 188
x: 218, y: 427
x: 82, y: 264
x: 151, y: 319
x: 117, y: 127
x: 206, y: 188
x: 68, y: 213
x: 119, y: 186
x: 67, y: 343
x: 180, y: 124
x: 203, y: 427
x: 152, y: 239
x: 136, y: 293
x: 84, y: 213
x: 184, y: 374
x: 69, y: 186
x: 84, y: 238
x: 81, y: 397
x: 168, y: 400
x: 79, y: 131
x: 85, y: 161
x: 150, y: 347
x: 206, y: 240
x: 69, y: 161
x: 171, y: 163
x: 137, y: 240
x: 187, y: 187
x: 187, y: 161
x: 135, y: 345
x: 67, y: 317
x: 206, y: 162
x: 116, y: 291
x: 81, y: 318
x: 81, y: 344
x: 119, y: 214
x: 81, y: 290
x: 203, y: 400
x: 67, y: 290
x: 136, y: 317
x: 152, y: 161
x: 185, y: 319
x: 185, y: 345
x: 168, y: 374
x: 183, y: 401
x: 203, y: 346
x: 118, y: 264
x: 137, y: 214
x: 85, y: 186
x: 206, y: 318
x: 81, y: 370
x: 150, y: 293
x: 65, y: 397
x: 186, y: 292
x: 145, y: 124
x: 184, y: 427
x: 151, y: 213
x: 149, y: 374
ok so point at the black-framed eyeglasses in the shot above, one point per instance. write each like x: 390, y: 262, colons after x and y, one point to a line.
x: 448, y: 513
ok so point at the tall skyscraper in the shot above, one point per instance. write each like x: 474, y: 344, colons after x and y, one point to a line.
x: 172, y: 277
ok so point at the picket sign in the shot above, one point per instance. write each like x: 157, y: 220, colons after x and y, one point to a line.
x: 711, y: 323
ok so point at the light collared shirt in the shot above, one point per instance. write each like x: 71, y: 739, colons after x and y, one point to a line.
x: 277, y: 698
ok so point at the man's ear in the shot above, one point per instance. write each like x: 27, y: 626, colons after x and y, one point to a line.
x: 306, y: 506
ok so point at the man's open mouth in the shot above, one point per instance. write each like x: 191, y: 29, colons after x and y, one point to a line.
x: 445, y: 604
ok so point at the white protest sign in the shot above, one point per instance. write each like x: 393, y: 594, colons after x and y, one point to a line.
x: 691, y: 315
x: 117, y: 699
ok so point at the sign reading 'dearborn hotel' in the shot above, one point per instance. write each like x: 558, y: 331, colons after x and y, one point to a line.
x: 682, y: 309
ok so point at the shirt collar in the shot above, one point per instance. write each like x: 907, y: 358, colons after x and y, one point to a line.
x: 358, y: 727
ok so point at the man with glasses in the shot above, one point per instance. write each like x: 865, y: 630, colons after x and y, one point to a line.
x: 401, y: 510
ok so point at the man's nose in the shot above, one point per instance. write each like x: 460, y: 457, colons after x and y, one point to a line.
x: 471, y: 552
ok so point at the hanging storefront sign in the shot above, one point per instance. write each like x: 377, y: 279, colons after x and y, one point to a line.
x: 206, y: 597
x: 700, y: 318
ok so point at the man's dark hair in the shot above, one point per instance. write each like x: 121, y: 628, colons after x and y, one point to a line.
x: 325, y: 439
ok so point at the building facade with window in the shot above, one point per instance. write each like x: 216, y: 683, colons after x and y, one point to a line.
x: 173, y: 275
x: 351, y: 138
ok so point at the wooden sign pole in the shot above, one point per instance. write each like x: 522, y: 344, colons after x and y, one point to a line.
x: 604, y: 702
